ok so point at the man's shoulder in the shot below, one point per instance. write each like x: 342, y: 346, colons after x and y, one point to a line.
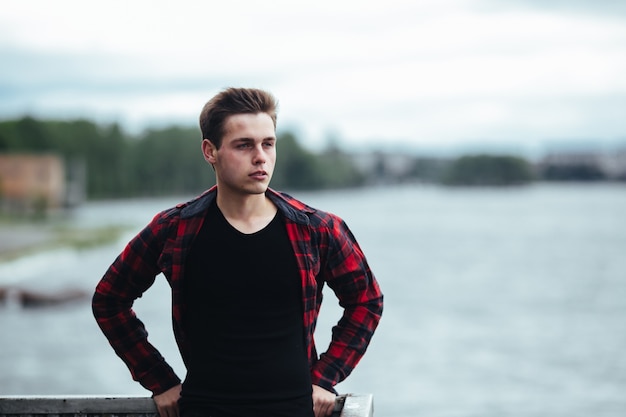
x: 299, y: 211
x: 286, y: 198
x: 187, y: 209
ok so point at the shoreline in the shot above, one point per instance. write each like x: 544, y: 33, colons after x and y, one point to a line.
x: 22, y: 239
x: 16, y: 240
x: 25, y: 239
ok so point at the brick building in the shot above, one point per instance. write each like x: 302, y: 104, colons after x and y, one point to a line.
x: 31, y: 182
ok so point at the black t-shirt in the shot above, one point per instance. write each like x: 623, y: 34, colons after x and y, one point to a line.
x: 244, y: 319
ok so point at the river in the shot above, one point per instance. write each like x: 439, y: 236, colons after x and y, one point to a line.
x: 498, y: 302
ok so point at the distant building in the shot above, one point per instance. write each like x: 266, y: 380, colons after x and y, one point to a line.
x: 572, y: 158
x: 31, y: 182
x: 384, y: 167
x: 614, y: 164
x: 585, y: 165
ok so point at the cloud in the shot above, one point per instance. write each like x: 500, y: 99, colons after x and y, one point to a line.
x: 433, y: 71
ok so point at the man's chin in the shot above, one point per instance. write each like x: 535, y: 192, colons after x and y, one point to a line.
x: 257, y: 189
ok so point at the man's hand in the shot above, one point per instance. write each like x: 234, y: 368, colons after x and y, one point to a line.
x: 323, y: 402
x: 167, y: 402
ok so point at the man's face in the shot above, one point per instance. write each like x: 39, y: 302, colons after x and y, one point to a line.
x: 245, y: 161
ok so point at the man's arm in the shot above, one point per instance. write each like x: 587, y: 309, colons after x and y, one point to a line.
x: 349, y: 276
x: 132, y: 273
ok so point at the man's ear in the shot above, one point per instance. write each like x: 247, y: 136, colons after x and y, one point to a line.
x: 208, y: 151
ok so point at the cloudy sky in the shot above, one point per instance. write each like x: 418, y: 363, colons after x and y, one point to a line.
x: 415, y: 74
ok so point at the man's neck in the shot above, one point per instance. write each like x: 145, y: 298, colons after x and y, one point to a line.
x: 248, y: 213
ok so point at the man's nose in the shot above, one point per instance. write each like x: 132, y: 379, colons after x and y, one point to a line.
x: 259, y: 155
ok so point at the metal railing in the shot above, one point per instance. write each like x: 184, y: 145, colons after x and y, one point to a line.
x: 349, y: 405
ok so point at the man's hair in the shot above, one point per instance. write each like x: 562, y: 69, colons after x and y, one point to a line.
x: 233, y: 101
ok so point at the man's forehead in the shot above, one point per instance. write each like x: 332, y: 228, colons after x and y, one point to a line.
x: 257, y: 123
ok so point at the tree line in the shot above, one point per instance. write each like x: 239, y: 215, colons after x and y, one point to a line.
x: 163, y: 161
x: 168, y: 161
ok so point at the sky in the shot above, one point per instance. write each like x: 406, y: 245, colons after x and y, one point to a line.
x: 368, y: 74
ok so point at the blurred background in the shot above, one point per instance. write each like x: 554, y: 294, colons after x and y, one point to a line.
x: 476, y: 148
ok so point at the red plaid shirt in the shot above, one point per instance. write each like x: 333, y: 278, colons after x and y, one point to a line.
x: 326, y: 252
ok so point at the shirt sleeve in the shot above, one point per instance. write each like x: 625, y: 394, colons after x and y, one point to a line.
x: 348, y: 274
x: 130, y: 275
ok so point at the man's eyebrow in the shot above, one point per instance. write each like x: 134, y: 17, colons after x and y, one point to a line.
x: 246, y: 139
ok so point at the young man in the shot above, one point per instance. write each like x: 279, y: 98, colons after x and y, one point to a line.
x: 246, y: 266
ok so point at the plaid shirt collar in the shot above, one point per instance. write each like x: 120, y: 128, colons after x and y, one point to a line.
x: 285, y: 203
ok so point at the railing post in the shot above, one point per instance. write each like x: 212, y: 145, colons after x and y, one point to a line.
x: 23, y: 406
x: 356, y: 405
x: 349, y: 405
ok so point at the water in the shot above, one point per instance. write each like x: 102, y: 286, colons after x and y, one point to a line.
x: 498, y: 302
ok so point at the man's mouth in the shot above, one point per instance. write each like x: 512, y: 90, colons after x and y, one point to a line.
x: 259, y: 174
